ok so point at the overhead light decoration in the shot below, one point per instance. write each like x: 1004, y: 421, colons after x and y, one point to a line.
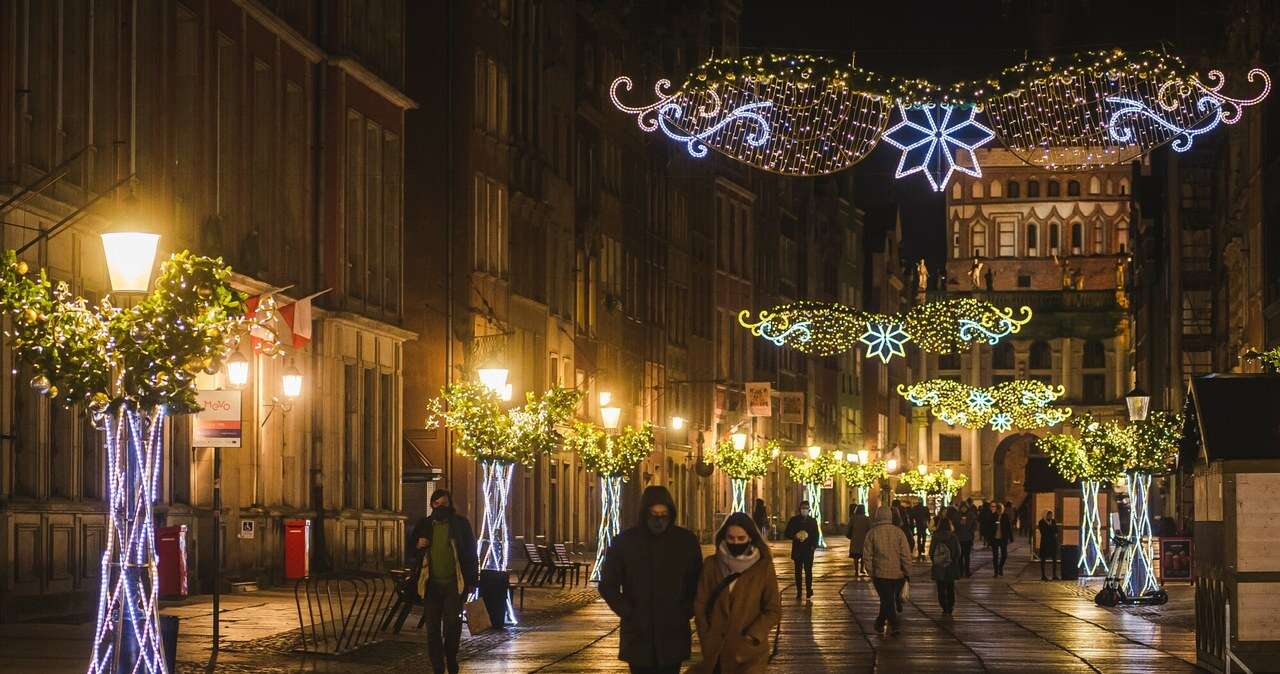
x: 799, y: 114
x: 938, y: 140
x: 1022, y: 404
x: 942, y: 326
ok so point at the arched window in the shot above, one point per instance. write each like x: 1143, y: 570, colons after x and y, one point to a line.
x: 1111, y: 187
x: 978, y: 240
x: 1013, y: 190
x: 1098, y: 247
x: 957, y: 190
x: 1077, y: 238
x: 975, y: 190
x: 995, y: 189
x: 1073, y: 188
x: 1122, y: 237
x: 1055, y: 188
x: 1124, y: 186
x: 1055, y: 238
x: 1041, y: 356
x: 955, y: 240
x: 1095, y: 355
x: 1095, y: 185
x: 1002, y: 356
x: 950, y: 361
x: 1033, y: 188
x: 1033, y: 240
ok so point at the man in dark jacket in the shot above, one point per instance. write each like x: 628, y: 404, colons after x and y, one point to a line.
x: 649, y: 579
x: 448, y: 572
x: 986, y: 521
x: 966, y: 524
x: 920, y: 517
x: 1001, y: 536
x: 803, y: 532
x: 1048, y: 530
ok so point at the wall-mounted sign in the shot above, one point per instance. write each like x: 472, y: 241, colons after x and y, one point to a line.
x: 218, y: 424
x: 792, y: 407
x: 759, y: 399
x: 248, y: 529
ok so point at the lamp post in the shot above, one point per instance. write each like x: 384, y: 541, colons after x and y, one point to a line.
x: 890, y: 467
x: 1141, y: 583
x: 237, y: 377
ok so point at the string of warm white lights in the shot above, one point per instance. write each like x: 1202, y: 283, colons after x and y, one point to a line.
x: 612, y: 459
x: 943, y: 326
x: 808, y: 115
x: 1021, y: 404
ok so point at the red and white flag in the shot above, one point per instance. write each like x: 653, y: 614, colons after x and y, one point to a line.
x: 262, y: 328
x: 298, y: 317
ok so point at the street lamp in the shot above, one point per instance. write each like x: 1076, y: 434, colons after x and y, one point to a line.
x: 131, y: 253
x: 605, y: 398
x: 677, y: 423
x: 891, y: 466
x: 839, y: 456
x: 494, y: 378
x: 291, y: 383
x: 948, y: 472
x: 814, y: 451
x: 609, y: 417
x: 922, y: 469
x: 237, y: 370
x: 1138, y: 402
x: 739, y: 440
x: 851, y: 457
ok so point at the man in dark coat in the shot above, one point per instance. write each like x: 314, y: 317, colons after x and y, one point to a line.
x: 987, y: 521
x: 649, y: 579
x: 803, y: 532
x: 1048, y: 544
x: 448, y: 572
x: 920, y: 517
x: 965, y: 524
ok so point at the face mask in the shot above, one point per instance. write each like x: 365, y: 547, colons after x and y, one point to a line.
x: 442, y: 513
x: 657, y: 525
x: 804, y: 511
x: 738, y: 549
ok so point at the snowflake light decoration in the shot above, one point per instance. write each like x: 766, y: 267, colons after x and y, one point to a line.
x: 1001, y: 422
x: 938, y: 140
x: 980, y: 401
x: 884, y: 340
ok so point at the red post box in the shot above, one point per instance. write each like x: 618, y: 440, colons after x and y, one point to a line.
x: 171, y: 549
x: 297, y: 549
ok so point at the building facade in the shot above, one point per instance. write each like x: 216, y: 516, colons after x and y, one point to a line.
x: 272, y: 135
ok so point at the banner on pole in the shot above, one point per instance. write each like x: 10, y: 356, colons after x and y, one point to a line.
x: 792, y: 407
x: 218, y: 423
x: 759, y: 399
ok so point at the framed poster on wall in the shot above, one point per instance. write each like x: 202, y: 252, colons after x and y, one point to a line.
x: 1177, y: 559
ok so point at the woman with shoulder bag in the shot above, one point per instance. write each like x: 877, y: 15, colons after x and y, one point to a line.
x: 737, y: 604
x: 944, y: 552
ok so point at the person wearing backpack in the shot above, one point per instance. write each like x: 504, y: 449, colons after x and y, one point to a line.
x: 944, y: 552
x: 737, y: 603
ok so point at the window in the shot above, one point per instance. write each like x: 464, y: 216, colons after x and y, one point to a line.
x: 351, y: 413
x: 1077, y: 236
x: 1013, y: 190
x: 91, y: 476
x: 490, y: 244
x: 1033, y: 240
x: 1024, y: 280
x: 61, y: 446
x: 1002, y: 356
x: 975, y: 190
x: 1033, y: 188
x: 978, y: 239
x: 1073, y: 188
x: 1055, y: 189
x: 949, y: 361
x: 1041, y: 356
x: 1095, y: 355
x: 995, y: 189
x: 1122, y: 237
x: 387, y: 406
x: 369, y: 453
x: 1095, y: 185
x: 955, y: 240
x: 1054, y: 238
x: 1124, y: 186
x: 948, y: 447
x: 957, y: 191
x: 1095, y: 388
x: 1008, y: 238
x: 1098, y: 248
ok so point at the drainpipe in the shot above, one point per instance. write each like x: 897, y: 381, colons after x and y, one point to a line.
x: 448, y: 224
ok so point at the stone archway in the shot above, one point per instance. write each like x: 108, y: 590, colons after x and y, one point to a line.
x: 1010, y: 467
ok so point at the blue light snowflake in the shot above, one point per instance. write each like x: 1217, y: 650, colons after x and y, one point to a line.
x: 938, y: 140
x: 980, y: 401
x: 1001, y: 422
x: 884, y: 340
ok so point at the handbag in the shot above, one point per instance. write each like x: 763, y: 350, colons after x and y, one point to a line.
x: 477, y: 616
x: 905, y: 592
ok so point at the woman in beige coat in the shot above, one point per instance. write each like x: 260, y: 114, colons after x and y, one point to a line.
x: 737, y: 604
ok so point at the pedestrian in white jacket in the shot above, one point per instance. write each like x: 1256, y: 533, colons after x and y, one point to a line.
x: 887, y: 555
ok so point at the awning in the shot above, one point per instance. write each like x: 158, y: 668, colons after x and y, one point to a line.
x: 1232, y: 417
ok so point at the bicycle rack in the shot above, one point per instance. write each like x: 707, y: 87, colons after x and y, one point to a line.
x: 342, y: 612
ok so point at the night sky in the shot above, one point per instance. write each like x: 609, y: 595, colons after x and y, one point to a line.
x: 949, y: 41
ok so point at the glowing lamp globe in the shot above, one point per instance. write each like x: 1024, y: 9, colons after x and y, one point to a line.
x: 237, y: 369
x: 677, y: 423
x: 839, y: 456
x: 851, y: 457
x: 891, y: 465
x: 494, y: 378
x: 1138, y: 402
x: 130, y: 256
x: 814, y: 451
x: 864, y: 456
x: 291, y: 383
x: 773, y: 453
x: 605, y: 398
x: 922, y: 469
x: 609, y: 416
x: 739, y: 441
x: 948, y: 472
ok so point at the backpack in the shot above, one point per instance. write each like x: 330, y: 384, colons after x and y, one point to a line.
x: 942, y: 557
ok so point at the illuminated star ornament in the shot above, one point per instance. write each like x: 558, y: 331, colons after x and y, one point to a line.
x: 938, y: 140
x: 1001, y: 422
x: 884, y: 340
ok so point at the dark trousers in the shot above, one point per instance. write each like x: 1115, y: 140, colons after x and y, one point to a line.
x: 659, y: 669
x: 911, y: 540
x: 443, y: 607
x: 999, y: 554
x: 946, y: 595
x: 1052, y: 558
x: 966, y: 554
x: 921, y: 534
x: 804, y: 572
x: 887, y: 589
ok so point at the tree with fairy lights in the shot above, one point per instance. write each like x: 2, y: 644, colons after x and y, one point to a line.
x: 918, y: 482
x: 862, y: 474
x: 1152, y: 450
x: 1096, y: 456
x: 613, y: 459
x: 732, y: 457
x: 129, y: 368
x: 498, y: 439
x: 812, y: 471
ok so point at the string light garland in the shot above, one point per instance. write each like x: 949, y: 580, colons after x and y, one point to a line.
x: 799, y: 114
x: 613, y: 459
x: 1270, y: 358
x: 828, y: 328
x: 741, y: 465
x: 1022, y: 403
x: 861, y: 476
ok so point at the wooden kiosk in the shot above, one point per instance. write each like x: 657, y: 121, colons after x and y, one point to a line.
x: 1232, y: 446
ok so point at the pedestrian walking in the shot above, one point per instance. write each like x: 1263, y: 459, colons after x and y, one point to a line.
x: 986, y: 522
x: 448, y: 572
x: 920, y: 516
x: 649, y: 579
x: 859, y: 523
x: 903, y: 520
x: 803, y: 532
x: 1002, y: 533
x: 966, y: 527
x: 944, y: 553
x: 1048, y: 544
x: 888, y: 557
x: 737, y: 602
x: 760, y: 517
